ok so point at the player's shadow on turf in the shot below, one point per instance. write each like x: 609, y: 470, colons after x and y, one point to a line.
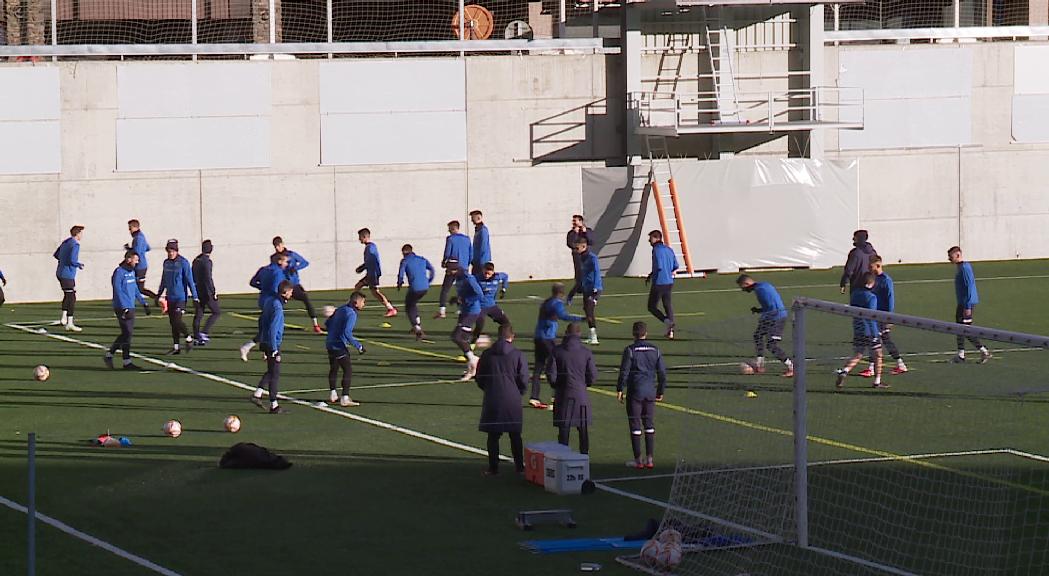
x: 409, y: 403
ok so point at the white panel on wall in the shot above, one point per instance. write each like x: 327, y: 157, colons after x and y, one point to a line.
x: 193, y: 143
x: 393, y: 111
x: 193, y: 116
x: 405, y: 85
x: 1031, y: 118
x: 917, y: 123
x: 396, y: 138
x: 1031, y: 70
x: 192, y: 90
x: 914, y: 97
x: 30, y: 132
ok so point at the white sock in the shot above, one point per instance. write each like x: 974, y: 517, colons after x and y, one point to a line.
x: 69, y: 321
x: 983, y: 349
x: 65, y: 317
x: 900, y: 364
x: 759, y: 362
x: 845, y: 370
x: 593, y: 332
x: 442, y: 309
x: 273, y: 405
x: 418, y: 325
x: 189, y: 338
x: 176, y: 345
x: 871, y: 368
x: 471, y: 357
x: 315, y: 322
x: 389, y: 306
x: 788, y: 363
x: 249, y: 345
x: 961, y: 353
x: 258, y: 392
x: 877, y: 379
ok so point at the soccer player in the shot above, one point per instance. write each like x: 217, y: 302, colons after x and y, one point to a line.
x: 296, y: 263
x: 864, y: 333
x: 469, y: 296
x: 579, y: 230
x: 3, y: 282
x: 372, y: 271
x: 68, y: 254
x: 770, y: 324
x: 207, y: 297
x: 482, y: 246
x: 968, y: 298
x: 570, y: 372
x: 340, y: 334
x: 886, y: 294
x: 458, y: 251
x: 639, y: 371
x: 502, y: 374
x: 858, y: 262
x: 664, y: 265
x: 420, y: 274
x: 177, y: 282
x: 271, y: 336
x: 125, y: 294
x: 491, y: 283
x: 590, y: 281
x: 550, y: 311
x: 267, y: 281
x: 140, y: 246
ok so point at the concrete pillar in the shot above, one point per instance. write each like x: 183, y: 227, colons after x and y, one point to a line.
x: 1038, y: 12
x: 631, y: 62
x: 808, y: 55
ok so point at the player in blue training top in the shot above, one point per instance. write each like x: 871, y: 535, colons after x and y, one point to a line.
x: 372, y: 271
x: 579, y: 230
x: 864, y: 333
x: 140, y: 245
x: 590, y: 281
x: 178, y: 283
x: 296, y: 264
x: 770, y: 325
x: 125, y: 295
x: 664, y: 265
x: 968, y: 298
x: 550, y: 311
x: 469, y: 297
x: 482, y: 246
x: 68, y: 256
x: 492, y: 283
x: 271, y: 336
x: 886, y: 294
x: 420, y: 274
x: 642, y: 380
x: 458, y: 251
x: 267, y: 281
x: 340, y: 334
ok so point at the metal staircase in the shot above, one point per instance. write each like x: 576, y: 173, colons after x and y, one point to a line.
x: 670, y: 223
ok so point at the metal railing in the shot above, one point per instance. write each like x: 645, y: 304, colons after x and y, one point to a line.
x: 685, y: 112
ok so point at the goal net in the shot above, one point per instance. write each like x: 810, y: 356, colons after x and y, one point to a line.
x: 900, y: 14
x: 939, y: 470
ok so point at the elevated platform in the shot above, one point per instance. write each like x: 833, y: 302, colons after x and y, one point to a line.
x: 678, y: 113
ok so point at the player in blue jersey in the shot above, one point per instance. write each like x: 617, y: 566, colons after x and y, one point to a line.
x: 340, y: 335
x: 68, y: 256
x: 372, y: 270
x: 492, y: 283
x: 469, y: 297
x: 140, y: 245
x: 664, y: 265
x: 179, y: 287
x: 296, y: 263
x: 458, y: 251
x: 545, y: 338
x: 769, y: 332
x: 967, y: 297
x: 864, y: 333
x: 267, y: 281
x: 125, y: 295
x: 482, y: 245
x: 271, y: 336
x: 420, y: 274
x: 885, y: 291
x: 591, y: 284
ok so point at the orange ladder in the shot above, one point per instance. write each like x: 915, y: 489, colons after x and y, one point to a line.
x: 672, y: 225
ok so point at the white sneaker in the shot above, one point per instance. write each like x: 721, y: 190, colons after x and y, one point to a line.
x: 334, y: 397
x: 346, y: 401
x: 471, y: 371
x: 73, y: 327
x: 593, y: 341
x: 245, y: 349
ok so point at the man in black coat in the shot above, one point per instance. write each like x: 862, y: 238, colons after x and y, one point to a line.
x: 570, y: 372
x: 642, y: 380
x: 208, y: 298
x: 858, y: 262
x: 578, y: 231
x: 502, y: 373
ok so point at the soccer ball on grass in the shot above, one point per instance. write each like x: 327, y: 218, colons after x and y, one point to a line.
x: 41, y: 373
x: 172, y: 428
x: 232, y: 423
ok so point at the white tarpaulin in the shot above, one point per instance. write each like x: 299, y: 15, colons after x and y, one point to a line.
x: 738, y: 213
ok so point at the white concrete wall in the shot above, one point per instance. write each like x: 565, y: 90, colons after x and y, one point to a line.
x: 510, y: 100
x: 987, y: 196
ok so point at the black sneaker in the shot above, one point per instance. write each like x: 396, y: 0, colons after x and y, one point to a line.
x: 278, y: 410
x: 132, y: 367
x: 173, y: 352
x: 958, y: 360
x: 108, y: 360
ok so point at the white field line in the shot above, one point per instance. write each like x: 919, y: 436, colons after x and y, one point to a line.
x: 1027, y: 455
x: 907, y: 355
x: 391, y: 385
x: 825, y: 463
x: 90, y: 539
x: 223, y: 380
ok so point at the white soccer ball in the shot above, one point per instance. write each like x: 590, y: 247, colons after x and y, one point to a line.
x: 664, y: 551
x: 746, y: 368
x: 484, y: 341
x: 651, y: 552
x: 329, y: 311
x: 41, y: 373
x: 232, y: 423
x: 173, y: 428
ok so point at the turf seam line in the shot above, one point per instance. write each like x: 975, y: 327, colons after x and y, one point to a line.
x: 62, y: 526
x: 223, y: 380
x: 390, y: 385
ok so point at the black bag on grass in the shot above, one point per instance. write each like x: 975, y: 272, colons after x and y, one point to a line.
x: 248, y: 455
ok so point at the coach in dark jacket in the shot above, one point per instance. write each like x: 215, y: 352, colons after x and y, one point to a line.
x: 502, y: 373
x: 570, y: 372
x: 858, y: 262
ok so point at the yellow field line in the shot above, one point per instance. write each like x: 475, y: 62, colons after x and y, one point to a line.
x: 643, y: 316
x: 835, y: 444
